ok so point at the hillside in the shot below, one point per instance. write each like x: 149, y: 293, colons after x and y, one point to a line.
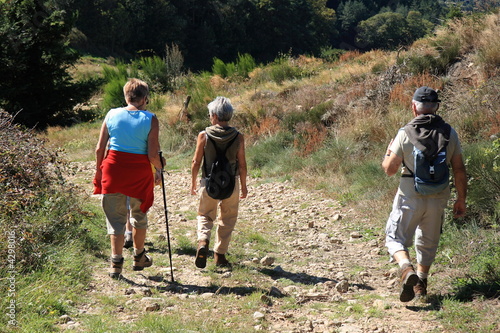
x: 301, y: 263
x: 318, y: 201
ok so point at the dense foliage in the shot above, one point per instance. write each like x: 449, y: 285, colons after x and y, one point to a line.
x: 41, y: 40
x: 263, y: 28
x: 35, y: 56
x: 39, y: 209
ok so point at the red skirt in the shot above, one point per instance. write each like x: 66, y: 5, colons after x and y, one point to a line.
x: 129, y: 174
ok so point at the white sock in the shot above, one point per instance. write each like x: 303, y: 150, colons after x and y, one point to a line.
x: 138, y: 251
x: 116, y: 257
x: 422, y: 275
x: 403, y: 262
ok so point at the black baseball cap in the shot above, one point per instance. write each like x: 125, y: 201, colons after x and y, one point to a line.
x: 426, y: 94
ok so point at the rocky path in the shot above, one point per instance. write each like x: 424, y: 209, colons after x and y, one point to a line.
x: 318, y: 265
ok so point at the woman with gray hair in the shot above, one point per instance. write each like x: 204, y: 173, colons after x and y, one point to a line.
x: 218, y: 137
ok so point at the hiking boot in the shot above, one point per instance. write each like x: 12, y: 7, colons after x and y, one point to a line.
x: 221, y: 261
x: 420, y: 288
x: 141, y: 261
x: 116, y: 268
x: 408, y: 280
x: 201, y: 254
x: 128, y: 241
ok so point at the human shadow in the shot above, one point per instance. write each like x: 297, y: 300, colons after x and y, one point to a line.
x: 179, y: 288
x: 465, y: 292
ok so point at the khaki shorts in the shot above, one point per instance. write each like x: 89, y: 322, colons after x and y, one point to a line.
x: 116, y: 207
x: 418, y: 219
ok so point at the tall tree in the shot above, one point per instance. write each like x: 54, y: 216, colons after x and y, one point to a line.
x: 35, y: 57
x: 385, y: 30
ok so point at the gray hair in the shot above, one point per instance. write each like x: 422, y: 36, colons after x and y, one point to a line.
x: 222, y: 108
x: 426, y: 107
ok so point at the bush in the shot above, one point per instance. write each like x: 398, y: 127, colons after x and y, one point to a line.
x: 39, y: 209
x: 283, y: 70
x: 483, y: 168
x: 440, y: 52
x: 161, y: 74
x: 202, y: 92
x: 154, y: 71
x: 115, y: 79
x: 243, y: 66
x: 330, y: 54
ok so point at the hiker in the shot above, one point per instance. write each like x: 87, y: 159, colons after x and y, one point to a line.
x: 416, y: 215
x: 128, y: 147
x: 225, y: 137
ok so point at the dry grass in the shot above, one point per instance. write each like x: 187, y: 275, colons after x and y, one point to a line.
x: 402, y: 93
x: 479, y: 35
x: 309, y: 138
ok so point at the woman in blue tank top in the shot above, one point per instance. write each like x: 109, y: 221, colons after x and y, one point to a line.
x: 128, y: 146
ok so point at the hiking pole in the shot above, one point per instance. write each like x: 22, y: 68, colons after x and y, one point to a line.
x: 166, y: 217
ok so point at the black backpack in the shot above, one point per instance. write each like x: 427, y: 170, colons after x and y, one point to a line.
x: 219, y: 181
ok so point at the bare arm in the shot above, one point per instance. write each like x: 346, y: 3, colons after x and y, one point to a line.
x: 197, y: 159
x: 391, y: 162
x: 242, y: 167
x: 460, y: 176
x: 154, y: 144
x: 101, y: 148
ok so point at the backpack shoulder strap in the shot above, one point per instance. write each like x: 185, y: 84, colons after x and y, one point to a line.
x: 409, y: 170
x: 219, y: 151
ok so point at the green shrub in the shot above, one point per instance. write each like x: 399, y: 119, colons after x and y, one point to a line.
x: 447, y: 51
x: 245, y: 63
x: 115, y: 78
x: 202, y: 92
x: 330, y: 54
x: 219, y: 68
x: 483, y: 169
x: 154, y: 70
x: 282, y: 70
x: 475, y: 250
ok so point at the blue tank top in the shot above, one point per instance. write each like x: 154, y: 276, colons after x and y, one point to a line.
x: 129, y: 130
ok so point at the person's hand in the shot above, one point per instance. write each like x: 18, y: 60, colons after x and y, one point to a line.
x: 158, y: 177
x: 459, y: 208
x: 194, y: 191
x: 244, y: 192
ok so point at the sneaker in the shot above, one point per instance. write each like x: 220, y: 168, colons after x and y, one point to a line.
x: 141, y: 261
x: 221, y: 261
x: 408, y: 280
x: 116, y: 269
x: 420, y: 288
x: 201, y: 254
x: 128, y: 241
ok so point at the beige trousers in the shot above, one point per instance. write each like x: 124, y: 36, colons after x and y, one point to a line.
x: 207, y: 214
x: 116, y: 208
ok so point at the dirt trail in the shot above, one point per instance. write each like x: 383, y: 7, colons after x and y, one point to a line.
x: 339, y: 276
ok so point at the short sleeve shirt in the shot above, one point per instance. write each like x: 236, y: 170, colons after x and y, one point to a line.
x: 402, y: 147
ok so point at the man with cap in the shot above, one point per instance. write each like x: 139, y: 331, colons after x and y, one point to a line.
x: 417, y: 217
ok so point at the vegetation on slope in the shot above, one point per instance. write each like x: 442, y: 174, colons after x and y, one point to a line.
x: 324, y: 124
